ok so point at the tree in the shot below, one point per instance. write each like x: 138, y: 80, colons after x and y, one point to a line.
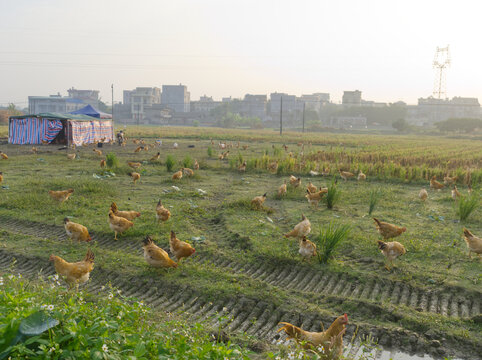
x: 400, y: 125
x: 12, y: 110
x: 459, y: 124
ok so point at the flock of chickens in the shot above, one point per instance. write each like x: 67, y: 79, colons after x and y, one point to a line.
x: 328, y: 343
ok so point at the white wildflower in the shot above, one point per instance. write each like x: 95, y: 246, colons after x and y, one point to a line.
x: 10, y: 277
x: 110, y: 296
x: 105, y: 348
x: 50, y: 308
x: 19, y: 275
x: 141, y: 303
x: 56, y: 277
x: 52, y: 349
x: 103, y: 287
x: 225, y: 308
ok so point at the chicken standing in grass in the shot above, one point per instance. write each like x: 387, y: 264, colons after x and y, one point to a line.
x: 71, y: 156
x: 307, y: 248
x: 387, y: 230
x: 3, y: 155
x: 188, y: 172
x: 282, y: 189
x: 423, y: 194
x: 294, y: 181
x: 135, y: 176
x: 76, y: 273
x: 391, y: 250
x: 98, y: 152
x: 61, y: 195
x: 180, y: 249
x: 455, y: 193
x: 156, y: 157
x: 155, y: 256
x: 134, y: 165
x: 315, y: 197
x: 242, y: 167
x: 177, y: 175
x: 34, y: 150
x: 118, y: 224
x: 1, y: 177
x: 196, y: 165
x: 311, y: 188
x: 76, y: 231
x: 258, y: 201
x: 434, y: 184
x: 129, y: 215
x: 162, y: 214
x: 450, y: 180
x: 474, y: 243
x: 103, y: 164
x: 345, y: 175
x: 273, y: 167
x: 301, y: 229
x: 361, y: 176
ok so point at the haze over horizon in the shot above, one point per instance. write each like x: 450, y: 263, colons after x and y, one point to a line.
x: 226, y: 48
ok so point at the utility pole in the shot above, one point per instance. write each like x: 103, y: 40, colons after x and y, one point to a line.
x: 281, y: 116
x: 304, y: 105
x: 112, y: 87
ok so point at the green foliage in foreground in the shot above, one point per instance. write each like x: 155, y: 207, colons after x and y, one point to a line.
x: 375, y: 196
x: 170, y: 162
x: 329, y: 240
x: 333, y: 195
x: 77, y: 326
x: 467, y: 204
x: 112, y: 161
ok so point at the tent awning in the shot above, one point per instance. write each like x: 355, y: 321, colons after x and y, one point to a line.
x: 91, y: 111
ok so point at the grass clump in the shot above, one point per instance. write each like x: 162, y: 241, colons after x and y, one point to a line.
x: 210, y: 151
x: 170, y: 162
x: 467, y: 204
x: 187, y: 162
x: 375, y: 196
x: 333, y: 195
x: 329, y: 240
x: 111, y: 161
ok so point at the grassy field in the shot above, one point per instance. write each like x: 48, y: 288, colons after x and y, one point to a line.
x: 244, y: 267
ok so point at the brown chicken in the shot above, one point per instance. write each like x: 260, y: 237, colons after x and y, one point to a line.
x: 474, y: 243
x: 273, y: 167
x: 138, y: 149
x: 155, y: 256
x: 98, y: 152
x: 245, y: 147
x: 118, y: 224
x: 345, y: 175
x: 188, y: 172
x: 294, y: 181
x: 180, y: 249
x: 62, y: 195
x: 455, y: 193
x: 307, y: 248
x: 423, y: 194
x: 361, y: 176
x: 177, y: 175
x: 134, y: 165
x: 135, y: 176
x: 76, y: 231
x: 1, y: 177
x: 315, y: 197
x: 103, y: 164
x: 328, y: 343
x: 388, y: 231
x: 258, y: 201
x: 129, y: 215
x: 301, y: 229
x: 242, y: 167
x: 162, y: 214
x: 450, y: 180
x: 196, y: 165
x: 76, y: 273
x: 34, y: 150
x: 434, y: 184
x: 391, y: 250
x: 311, y: 188
x: 3, y: 155
x: 156, y: 157
x: 146, y: 148
x: 71, y: 156
x: 282, y: 189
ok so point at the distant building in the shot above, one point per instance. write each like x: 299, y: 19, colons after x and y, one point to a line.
x: 204, y: 105
x: 90, y: 97
x: 53, y: 103
x: 176, y: 97
x: 140, y: 99
x: 348, y: 122
x: 254, y: 105
x: 315, y: 101
x: 351, y: 98
x: 289, y: 103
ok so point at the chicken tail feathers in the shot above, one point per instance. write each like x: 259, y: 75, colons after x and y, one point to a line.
x: 381, y: 245
x: 467, y: 233
x: 377, y: 221
x: 147, y: 241
x: 89, y: 257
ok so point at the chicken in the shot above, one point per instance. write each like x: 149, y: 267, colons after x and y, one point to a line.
x: 138, y: 149
x: 177, y: 175
x: 146, y: 148
x: 391, y: 250
x: 196, y: 165
x: 44, y: 142
x: 434, y: 184
x: 315, y: 197
x: 423, y: 194
x: 3, y: 155
x: 245, y: 147
x: 326, y: 172
x: 103, y: 164
x: 135, y: 176
x: 388, y: 231
x: 76, y: 231
x: 345, y: 175
x: 62, y: 195
x: 175, y: 145
x: 98, y: 152
x: 34, y: 150
x: 71, y: 156
x: 118, y: 224
x: 329, y: 342
x: 273, y: 167
x: 188, y: 172
x: 258, y: 201
x: 1, y: 177
x: 361, y: 176
x: 450, y: 180
x: 295, y: 182
x: 74, y: 273
x: 180, y: 249
x: 285, y: 147
x: 474, y: 243
x: 156, y: 157
x: 242, y: 167
x: 162, y: 214
x: 282, y: 189
x: 155, y: 256
x: 311, y: 188
x: 134, y: 165
x: 301, y: 229
x: 455, y: 193
x: 129, y: 215
x: 223, y: 155
x: 307, y: 248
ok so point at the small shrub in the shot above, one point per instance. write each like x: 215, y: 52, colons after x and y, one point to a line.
x: 375, y: 196
x: 170, y: 162
x: 333, y: 195
x: 467, y: 204
x: 329, y: 240
x: 210, y: 152
x: 111, y: 161
x: 187, y: 162
x: 277, y: 151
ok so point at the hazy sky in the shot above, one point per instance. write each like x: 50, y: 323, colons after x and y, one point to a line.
x: 221, y: 48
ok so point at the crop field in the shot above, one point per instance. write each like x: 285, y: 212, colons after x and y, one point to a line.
x: 245, y: 276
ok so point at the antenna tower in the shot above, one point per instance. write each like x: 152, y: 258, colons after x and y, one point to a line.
x: 441, y: 62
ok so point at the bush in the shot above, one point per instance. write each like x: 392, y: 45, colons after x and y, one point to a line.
x: 467, y: 204
x: 329, y: 240
x: 111, y: 161
x: 187, y: 162
x: 333, y: 195
x: 210, y: 151
x: 375, y: 196
x: 170, y: 162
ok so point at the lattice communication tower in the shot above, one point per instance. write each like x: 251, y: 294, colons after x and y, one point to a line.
x: 441, y: 62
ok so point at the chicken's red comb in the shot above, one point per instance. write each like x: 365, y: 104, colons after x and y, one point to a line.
x: 346, y: 317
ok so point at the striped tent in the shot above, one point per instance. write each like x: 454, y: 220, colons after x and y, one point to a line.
x: 33, y: 130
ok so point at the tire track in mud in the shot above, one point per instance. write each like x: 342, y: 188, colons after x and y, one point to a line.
x: 451, y: 302
x: 256, y: 318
